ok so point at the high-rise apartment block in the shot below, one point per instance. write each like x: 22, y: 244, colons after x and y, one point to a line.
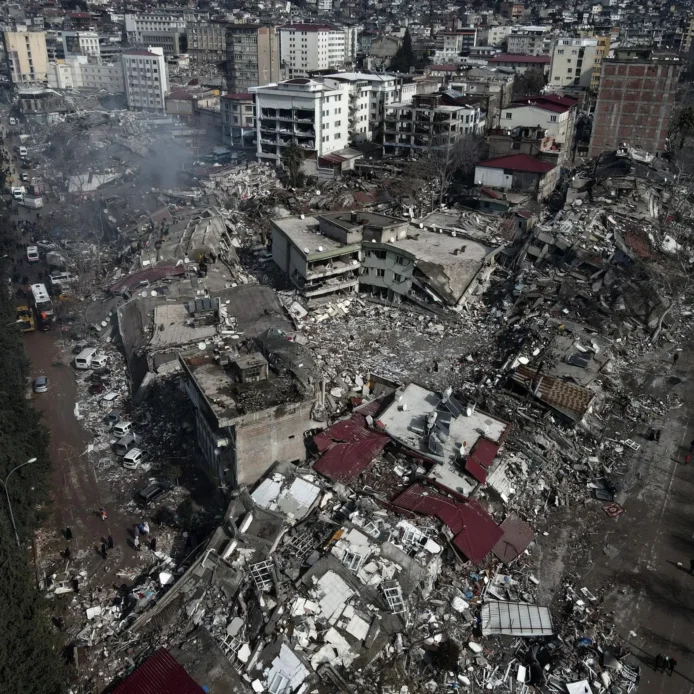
x: 27, y: 57
x: 253, y: 56
x: 310, y: 47
x: 146, y: 78
x: 635, y: 101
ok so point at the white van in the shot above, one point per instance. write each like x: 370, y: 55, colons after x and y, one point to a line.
x: 134, y: 458
x: 84, y: 359
x: 125, y: 444
x: 121, y: 429
x: 32, y: 254
x: 22, y: 151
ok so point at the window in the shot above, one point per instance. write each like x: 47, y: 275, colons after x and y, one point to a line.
x: 515, y: 145
x: 569, y: 71
x: 560, y: 52
x: 338, y: 123
x: 509, y: 115
x: 552, y: 119
x: 380, y: 272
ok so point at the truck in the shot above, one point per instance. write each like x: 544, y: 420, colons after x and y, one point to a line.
x: 25, y: 318
x: 33, y: 202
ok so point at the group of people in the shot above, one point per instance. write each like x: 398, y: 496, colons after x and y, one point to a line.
x: 665, y: 663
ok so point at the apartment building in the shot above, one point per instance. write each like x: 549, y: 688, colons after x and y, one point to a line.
x: 452, y: 43
x: 529, y: 44
x: 572, y: 63
x: 238, y: 119
x: 307, y: 48
x: 511, y: 10
x: 27, y: 57
x: 369, y: 95
x: 253, y: 56
x: 635, y: 101
x: 146, y: 78
x: 603, y: 50
x: 207, y: 42
x: 76, y: 72
x: 554, y: 114
x: 305, y: 112
x: 81, y: 43
x: 165, y: 28
x: 521, y: 63
x: 430, y: 119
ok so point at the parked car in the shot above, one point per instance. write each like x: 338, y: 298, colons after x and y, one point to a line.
x: 41, y: 384
x: 153, y: 492
x: 99, y: 361
x: 134, y: 458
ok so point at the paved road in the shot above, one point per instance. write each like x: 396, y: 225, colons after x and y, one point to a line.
x: 631, y: 562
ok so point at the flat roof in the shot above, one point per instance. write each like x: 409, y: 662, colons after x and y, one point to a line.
x: 170, y: 327
x: 303, y: 233
x: 406, y: 422
x: 228, y: 399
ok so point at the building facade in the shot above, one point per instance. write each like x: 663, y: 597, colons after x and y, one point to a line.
x: 529, y: 44
x: 635, y: 102
x: 238, y: 120
x: 207, y: 41
x: 162, y: 29
x: 146, y: 79
x: 453, y: 43
x: 306, y: 48
x: 253, y: 56
x: 27, y: 57
x: 81, y: 43
x: 572, y: 63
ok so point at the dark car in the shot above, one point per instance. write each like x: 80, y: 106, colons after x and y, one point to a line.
x: 153, y: 493
x: 79, y: 348
x: 112, y: 418
x: 97, y: 388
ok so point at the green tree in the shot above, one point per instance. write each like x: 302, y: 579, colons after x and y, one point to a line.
x: 530, y: 83
x: 293, y: 159
x: 404, y: 58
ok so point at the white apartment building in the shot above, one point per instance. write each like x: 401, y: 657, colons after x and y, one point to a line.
x: 81, y: 43
x: 146, y: 78
x: 496, y: 35
x: 301, y: 111
x: 27, y: 57
x: 138, y: 26
x: 369, y: 96
x: 308, y: 47
x: 77, y: 73
x: 529, y: 44
x: 572, y: 63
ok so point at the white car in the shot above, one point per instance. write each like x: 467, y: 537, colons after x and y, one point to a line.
x: 99, y: 361
x: 134, y: 458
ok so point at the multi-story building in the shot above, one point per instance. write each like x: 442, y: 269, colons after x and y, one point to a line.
x: 306, y: 48
x: 511, y: 10
x: 529, y: 44
x: 572, y: 63
x: 430, y: 120
x: 687, y: 35
x: 554, y: 114
x: 493, y: 35
x: 369, y: 95
x: 603, y: 50
x: 492, y: 88
x: 77, y: 73
x: 146, y: 78
x: 165, y: 28
x: 304, y: 112
x: 27, y: 57
x: 238, y: 119
x: 452, y: 43
x: 253, y: 56
x: 207, y: 41
x: 81, y: 43
x: 635, y: 101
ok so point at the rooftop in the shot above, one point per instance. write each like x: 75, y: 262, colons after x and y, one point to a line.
x: 420, y: 420
x: 518, y: 58
x: 174, y: 325
x: 159, y: 673
x: 229, y: 399
x: 304, y: 234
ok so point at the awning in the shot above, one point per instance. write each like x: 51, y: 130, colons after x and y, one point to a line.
x: 515, y: 619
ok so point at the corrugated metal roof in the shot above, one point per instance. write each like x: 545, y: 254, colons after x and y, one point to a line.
x: 161, y: 673
x: 484, y: 451
x: 518, y: 162
x: 515, y: 619
x: 515, y: 540
x: 476, y: 470
x: 474, y: 530
x: 567, y: 398
x: 350, y: 447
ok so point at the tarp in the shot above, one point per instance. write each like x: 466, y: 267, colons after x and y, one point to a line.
x: 515, y: 619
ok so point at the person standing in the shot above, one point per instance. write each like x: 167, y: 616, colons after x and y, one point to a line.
x: 153, y: 544
x: 68, y: 534
x: 672, y: 663
x: 110, y: 542
x: 136, y: 543
x: 658, y: 662
x: 104, y: 515
x: 675, y: 357
x: 666, y: 663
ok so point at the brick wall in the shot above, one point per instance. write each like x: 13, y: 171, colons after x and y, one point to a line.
x: 634, y: 105
x: 266, y: 437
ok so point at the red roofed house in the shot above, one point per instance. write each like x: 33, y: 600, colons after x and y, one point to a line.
x: 551, y: 112
x: 521, y: 63
x: 518, y: 172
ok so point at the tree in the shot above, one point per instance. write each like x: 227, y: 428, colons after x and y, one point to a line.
x: 528, y: 84
x: 293, y: 159
x: 404, y: 58
x: 446, y: 158
x: 683, y: 124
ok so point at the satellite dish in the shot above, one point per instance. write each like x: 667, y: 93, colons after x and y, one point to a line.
x: 153, y: 292
x: 202, y: 346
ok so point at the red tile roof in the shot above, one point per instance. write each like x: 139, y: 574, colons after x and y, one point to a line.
x: 350, y: 447
x: 516, y: 538
x: 444, y: 68
x: 474, y: 530
x: 159, y: 674
x: 518, y: 162
x: 518, y: 58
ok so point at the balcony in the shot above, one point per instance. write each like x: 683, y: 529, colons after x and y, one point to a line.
x: 286, y: 114
x: 269, y: 113
x: 270, y: 125
x: 438, y: 117
x: 304, y: 116
x: 305, y: 133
